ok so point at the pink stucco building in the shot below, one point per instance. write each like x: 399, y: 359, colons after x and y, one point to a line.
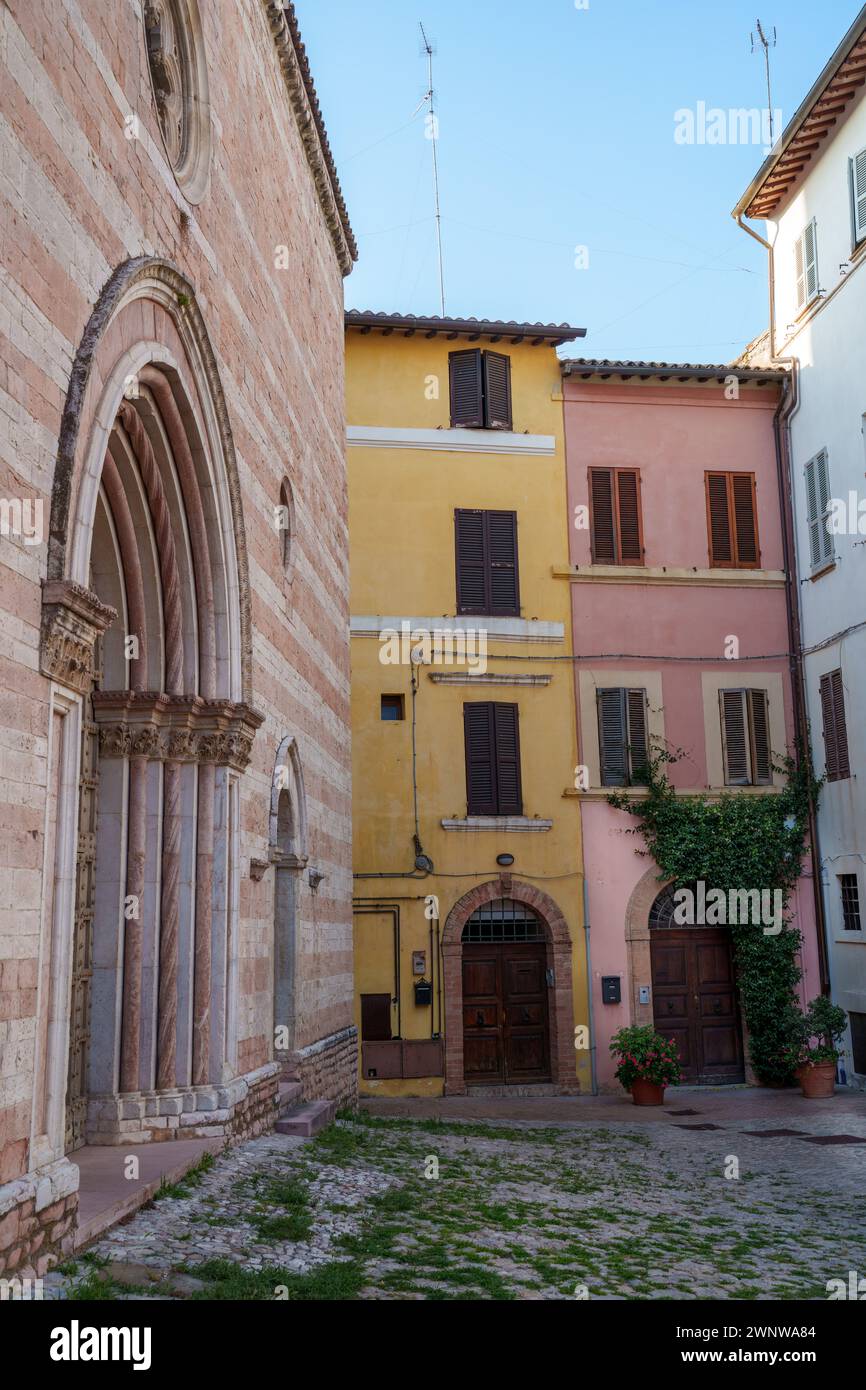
x: 681, y: 636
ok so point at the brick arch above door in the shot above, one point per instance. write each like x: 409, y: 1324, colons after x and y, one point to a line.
x: 637, y: 941
x: 561, y: 1000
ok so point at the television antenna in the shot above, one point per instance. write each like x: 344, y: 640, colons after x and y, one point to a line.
x: 432, y: 132
x: 762, y: 41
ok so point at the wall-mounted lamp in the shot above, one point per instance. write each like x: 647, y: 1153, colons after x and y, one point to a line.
x: 505, y: 860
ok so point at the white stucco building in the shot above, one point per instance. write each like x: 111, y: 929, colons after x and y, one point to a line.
x: 808, y: 204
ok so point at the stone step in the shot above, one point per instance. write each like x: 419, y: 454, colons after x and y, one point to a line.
x: 306, y: 1120
x: 289, y: 1094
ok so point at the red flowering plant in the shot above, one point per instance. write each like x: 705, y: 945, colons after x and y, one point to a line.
x: 644, y: 1055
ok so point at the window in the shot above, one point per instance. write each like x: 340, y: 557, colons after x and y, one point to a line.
x: 745, y: 738
x: 178, y: 75
x: 732, y: 521
x: 817, y: 509
x: 857, y: 166
x: 392, y: 707
x: 486, y: 550
x: 850, y: 902
x: 492, y: 759
x: 375, y: 1017
x: 806, y: 264
x: 615, y: 518
x: 285, y: 519
x: 835, y: 732
x: 480, y: 390
x: 622, y: 737
x: 503, y: 920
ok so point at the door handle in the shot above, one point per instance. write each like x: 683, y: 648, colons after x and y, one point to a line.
x: 479, y: 1019
x: 717, y: 1007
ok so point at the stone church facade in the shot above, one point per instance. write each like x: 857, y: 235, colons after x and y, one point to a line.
x: 175, y: 829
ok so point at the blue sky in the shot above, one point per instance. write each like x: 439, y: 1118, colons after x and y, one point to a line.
x: 556, y: 130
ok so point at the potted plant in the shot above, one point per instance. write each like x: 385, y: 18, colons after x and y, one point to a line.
x: 647, y: 1063
x: 823, y: 1025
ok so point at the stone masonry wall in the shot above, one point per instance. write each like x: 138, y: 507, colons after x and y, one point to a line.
x: 84, y: 188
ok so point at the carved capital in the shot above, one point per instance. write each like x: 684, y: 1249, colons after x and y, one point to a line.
x: 174, y: 728
x: 72, y: 619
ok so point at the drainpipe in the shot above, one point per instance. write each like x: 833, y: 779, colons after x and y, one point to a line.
x: 785, y: 412
x: 592, y: 1047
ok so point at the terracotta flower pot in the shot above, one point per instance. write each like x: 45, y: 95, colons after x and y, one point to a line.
x: 647, y: 1093
x: 817, y: 1080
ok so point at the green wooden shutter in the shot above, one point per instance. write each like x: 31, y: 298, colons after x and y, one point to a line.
x: 638, y: 750
x: 759, y: 720
x: 613, y: 737
x: 735, y: 737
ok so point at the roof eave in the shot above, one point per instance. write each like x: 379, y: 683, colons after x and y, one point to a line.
x: 786, y: 139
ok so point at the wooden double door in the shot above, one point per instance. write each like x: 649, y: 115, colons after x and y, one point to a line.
x: 695, y: 1002
x: 505, y: 1018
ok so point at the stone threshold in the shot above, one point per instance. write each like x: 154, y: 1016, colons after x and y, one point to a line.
x: 106, y: 1196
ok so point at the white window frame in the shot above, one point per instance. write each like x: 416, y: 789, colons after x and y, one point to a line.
x: 816, y: 474
x: 806, y: 266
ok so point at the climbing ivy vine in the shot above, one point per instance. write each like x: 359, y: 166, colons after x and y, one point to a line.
x: 739, y: 841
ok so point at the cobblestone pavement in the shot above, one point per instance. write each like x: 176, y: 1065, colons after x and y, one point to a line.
x: 385, y: 1207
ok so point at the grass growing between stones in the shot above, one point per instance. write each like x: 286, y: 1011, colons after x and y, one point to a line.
x: 376, y: 1208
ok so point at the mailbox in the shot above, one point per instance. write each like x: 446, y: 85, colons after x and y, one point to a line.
x: 610, y: 989
x: 423, y: 993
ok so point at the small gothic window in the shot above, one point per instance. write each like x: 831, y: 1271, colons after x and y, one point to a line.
x: 503, y: 920
x: 286, y: 525
x: 178, y: 75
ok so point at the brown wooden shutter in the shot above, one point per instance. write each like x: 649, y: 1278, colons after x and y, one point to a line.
x: 612, y: 737
x: 471, y: 561
x: 603, y: 524
x: 762, y: 770
x: 492, y: 743
x: 745, y: 520
x: 486, y: 561
x: 735, y: 737
x: 501, y: 556
x: 719, y: 521
x: 467, y: 389
x: 637, y: 734
x: 480, y: 759
x: 497, y: 391
x: 835, y: 728
x: 628, y: 504
x: 509, y: 800
x: 732, y: 520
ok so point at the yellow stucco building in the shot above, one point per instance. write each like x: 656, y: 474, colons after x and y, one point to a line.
x: 470, y: 959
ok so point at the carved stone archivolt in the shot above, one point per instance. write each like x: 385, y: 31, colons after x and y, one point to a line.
x: 174, y: 728
x: 72, y: 620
